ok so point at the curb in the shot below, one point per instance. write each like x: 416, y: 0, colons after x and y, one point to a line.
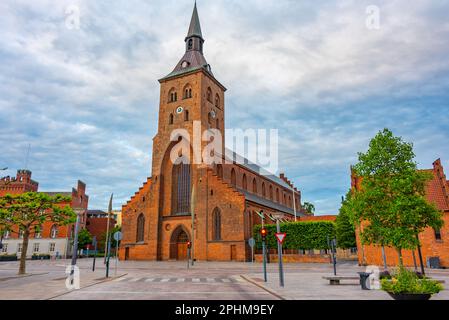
x: 263, y: 287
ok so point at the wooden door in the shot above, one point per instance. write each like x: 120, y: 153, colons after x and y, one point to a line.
x: 126, y: 253
x: 182, y: 251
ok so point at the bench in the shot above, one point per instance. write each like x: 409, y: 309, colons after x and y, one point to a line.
x: 335, y: 280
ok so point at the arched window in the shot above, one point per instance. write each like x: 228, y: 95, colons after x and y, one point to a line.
x: 244, y: 182
x: 290, y: 201
x: 254, y: 185
x: 172, y: 95
x: 186, y: 115
x: 216, y: 228
x: 170, y: 119
x: 217, y: 124
x: 233, y: 177
x: 271, y: 192
x: 264, y: 193
x: 53, y: 231
x: 220, y: 171
x: 187, y: 92
x: 217, y: 101
x: 209, y: 94
x: 140, y: 228
x: 209, y: 118
x: 277, y: 195
x: 190, y: 44
x: 181, y: 189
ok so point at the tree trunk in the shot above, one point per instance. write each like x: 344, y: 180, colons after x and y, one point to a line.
x: 23, y: 254
x: 401, y: 262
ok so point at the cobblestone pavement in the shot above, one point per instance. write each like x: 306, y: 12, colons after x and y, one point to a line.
x: 173, y: 281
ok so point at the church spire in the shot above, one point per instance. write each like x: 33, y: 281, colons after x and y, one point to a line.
x: 195, y: 26
x: 194, y: 40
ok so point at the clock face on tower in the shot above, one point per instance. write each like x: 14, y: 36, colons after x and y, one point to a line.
x: 184, y: 64
x: 179, y: 110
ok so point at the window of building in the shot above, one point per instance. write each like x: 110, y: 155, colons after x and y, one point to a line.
x: 217, y: 101
x: 187, y: 92
x: 36, y: 247
x: 181, y: 189
x: 54, y: 231
x: 220, y: 171
x: 437, y: 234
x: 186, y: 115
x: 216, y: 234
x: 172, y: 95
x: 277, y: 195
x: 217, y: 124
x: 233, y: 177
x: 5, y: 248
x: 271, y: 192
x: 52, y: 247
x: 140, y: 228
x: 244, y: 182
x: 209, y: 94
x: 170, y: 119
x: 264, y: 194
x: 254, y: 185
x: 190, y: 44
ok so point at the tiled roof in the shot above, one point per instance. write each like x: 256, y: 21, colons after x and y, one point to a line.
x: 268, y: 203
x: 437, y: 189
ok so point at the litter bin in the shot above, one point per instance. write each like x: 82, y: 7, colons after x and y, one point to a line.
x: 363, y: 279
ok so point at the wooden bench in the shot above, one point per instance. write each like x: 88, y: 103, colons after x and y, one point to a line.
x: 335, y: 280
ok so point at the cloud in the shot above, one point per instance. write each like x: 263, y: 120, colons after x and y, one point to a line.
x: 87, y: 99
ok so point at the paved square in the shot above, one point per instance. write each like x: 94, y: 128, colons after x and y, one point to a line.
x: 173, y: 281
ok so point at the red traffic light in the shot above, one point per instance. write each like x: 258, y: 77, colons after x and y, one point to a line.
x: 189, y: 244
x: 263, y: 232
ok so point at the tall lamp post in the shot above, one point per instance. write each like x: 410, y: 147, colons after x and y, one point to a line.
x: 79, y: 212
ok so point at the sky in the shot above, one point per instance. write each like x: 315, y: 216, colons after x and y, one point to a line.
x: 83, y: 93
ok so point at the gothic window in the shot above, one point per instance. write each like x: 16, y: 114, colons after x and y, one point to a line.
x: 53, y: 231
x: 220, y: 171
x: 187, y: 92
x: 244, y: 182
x: 254, y: 185
x: 217, y: 101
x: 437, y: 234
x: 170, y: 119
x: 209, y: 94
x: 271, y: 192
x: 285, y: 199
x: 181, y: 189
x: 264, y: 194
x: 216, y: 220
x: 172, y: 95
x: 140, y: 228
x: 190, y: 44
x: 186, y: 115
x: 290, y: 201
x: 217, y: 124
x: 233, y: 178
x: 277, y: 195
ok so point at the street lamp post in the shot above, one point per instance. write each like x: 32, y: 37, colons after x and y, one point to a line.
x: 278, y: 216
x: 78, y: 212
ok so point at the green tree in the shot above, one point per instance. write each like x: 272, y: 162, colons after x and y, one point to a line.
x: 344, y: 229
x: 84, y: 238
x: 392, y: 195
x: 28, y: 211
x: 309, y: 207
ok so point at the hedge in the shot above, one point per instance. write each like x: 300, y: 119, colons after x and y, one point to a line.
x: 306, y: 235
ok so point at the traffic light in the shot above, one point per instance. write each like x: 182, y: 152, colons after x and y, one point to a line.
x: 189, y: 244
x: 263, y: 233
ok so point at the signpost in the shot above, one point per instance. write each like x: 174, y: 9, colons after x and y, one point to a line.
x: 263, y: 233
x: 189, y: 246
x: 94, y: 242
x: 280, y: 237
x: 117, y: 237
x: 252, y: 243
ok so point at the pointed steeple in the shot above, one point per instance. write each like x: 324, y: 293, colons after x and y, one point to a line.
x: 195, y: 26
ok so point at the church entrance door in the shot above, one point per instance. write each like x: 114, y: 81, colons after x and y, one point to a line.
x: 181, y: 244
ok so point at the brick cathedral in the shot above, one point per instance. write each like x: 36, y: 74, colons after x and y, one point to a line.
x: 224, y: 197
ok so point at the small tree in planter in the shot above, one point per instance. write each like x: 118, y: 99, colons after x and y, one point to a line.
x: 406, y: 285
